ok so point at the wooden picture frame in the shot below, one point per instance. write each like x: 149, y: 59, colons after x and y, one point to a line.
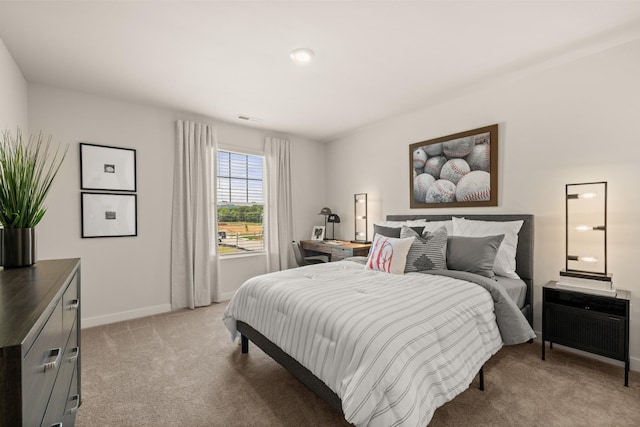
x: 459, y: 170
x: 109, y: 215
x: 107, y: 168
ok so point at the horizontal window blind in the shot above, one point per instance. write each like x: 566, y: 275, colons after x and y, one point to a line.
x: 240, y: 202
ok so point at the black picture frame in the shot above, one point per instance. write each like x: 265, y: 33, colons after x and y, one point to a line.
x: 109, y: 214
x: 107, y: 168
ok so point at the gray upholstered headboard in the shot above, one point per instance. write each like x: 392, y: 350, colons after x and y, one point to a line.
x: 524, y: 252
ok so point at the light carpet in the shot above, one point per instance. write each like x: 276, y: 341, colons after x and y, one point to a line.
x: 181, y: 369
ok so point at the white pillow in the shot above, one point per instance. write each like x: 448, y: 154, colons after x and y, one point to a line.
x: 432, y: 226
x: 399, y: 224
x: 505, y: 263
x: 389, y: 254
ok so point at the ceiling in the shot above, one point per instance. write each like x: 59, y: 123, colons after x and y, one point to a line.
x: 373, y: 59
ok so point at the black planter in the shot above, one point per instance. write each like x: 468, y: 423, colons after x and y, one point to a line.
x: 17, y: 247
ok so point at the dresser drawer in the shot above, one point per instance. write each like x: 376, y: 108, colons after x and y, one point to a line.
x: 337, y: 252
x: 70, y: 304
x: 360, y: 251
x: 73, y: 402
x: 315, y: 246
x: 340, y: 253
x: 601, y: 304
x: 61, y: 390
x: 40, y: 367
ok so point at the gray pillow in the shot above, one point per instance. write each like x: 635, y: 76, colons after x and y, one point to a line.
x: 392, y: 231
x: 473, y: 254
x: 427, y: 252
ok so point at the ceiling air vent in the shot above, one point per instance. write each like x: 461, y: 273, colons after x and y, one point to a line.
x: 249, y: 118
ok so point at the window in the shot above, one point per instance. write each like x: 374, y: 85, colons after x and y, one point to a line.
x: 240, y: 203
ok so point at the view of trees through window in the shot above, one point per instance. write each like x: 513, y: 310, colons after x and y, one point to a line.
x: 240, y: 203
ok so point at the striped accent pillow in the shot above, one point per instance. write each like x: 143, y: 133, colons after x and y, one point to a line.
x: 388, y: 254
x: 428, y: 252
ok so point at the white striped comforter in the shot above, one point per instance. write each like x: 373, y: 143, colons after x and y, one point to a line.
x: 393, y: 348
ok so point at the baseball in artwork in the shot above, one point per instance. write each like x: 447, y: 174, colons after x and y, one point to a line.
x: 458, y: 170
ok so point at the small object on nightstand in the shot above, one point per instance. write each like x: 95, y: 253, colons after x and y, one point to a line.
x: 594, y: 323
x: 597, y: 284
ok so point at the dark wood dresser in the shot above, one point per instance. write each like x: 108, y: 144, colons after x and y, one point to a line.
x: 40, y: 344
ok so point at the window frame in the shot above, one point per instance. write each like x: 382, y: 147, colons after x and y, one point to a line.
x: 244, y: 152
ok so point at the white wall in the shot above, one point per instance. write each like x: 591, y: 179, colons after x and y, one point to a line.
x: 129, y: 277
x: 576, y: 122
x: 13, y: 90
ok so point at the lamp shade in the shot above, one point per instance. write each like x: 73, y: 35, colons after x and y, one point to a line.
x: 334, y: 218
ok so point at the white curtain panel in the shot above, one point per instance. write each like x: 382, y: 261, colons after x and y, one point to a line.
x: 279, y: 212
x: 194, y: 260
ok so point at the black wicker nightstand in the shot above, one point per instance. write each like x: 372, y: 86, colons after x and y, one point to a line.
x: 593, y: 323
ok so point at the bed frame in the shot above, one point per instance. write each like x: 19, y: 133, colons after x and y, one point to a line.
x: 524, y: 268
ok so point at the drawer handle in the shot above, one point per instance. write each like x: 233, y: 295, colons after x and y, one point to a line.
x: 76, y: 397
x: 73, y: 305
x: 56, y: 352
x: 56, y: 425
x: 75, y: 351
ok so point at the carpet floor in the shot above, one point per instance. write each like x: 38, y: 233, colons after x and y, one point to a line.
x: 181, y: 369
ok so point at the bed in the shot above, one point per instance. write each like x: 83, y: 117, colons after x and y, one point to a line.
x: 386, y: 349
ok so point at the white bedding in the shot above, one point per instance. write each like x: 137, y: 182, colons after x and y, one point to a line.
x: 392, y: 347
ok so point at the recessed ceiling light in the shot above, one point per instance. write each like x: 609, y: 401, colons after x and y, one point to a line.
x: 302, y: 56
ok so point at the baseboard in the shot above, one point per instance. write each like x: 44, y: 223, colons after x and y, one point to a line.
x: 226, y: 296
x: 124, y: 315
x: 634, y: 362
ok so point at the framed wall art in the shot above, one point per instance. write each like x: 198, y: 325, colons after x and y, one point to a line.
x: 107, y: 168
x: 459, y: 170
x: 109, y: 215
x: 318, y: 232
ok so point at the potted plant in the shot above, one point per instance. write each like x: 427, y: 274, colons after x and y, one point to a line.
x: 27, y: 170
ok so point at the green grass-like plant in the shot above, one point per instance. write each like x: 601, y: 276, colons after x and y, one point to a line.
x: 27, y: 170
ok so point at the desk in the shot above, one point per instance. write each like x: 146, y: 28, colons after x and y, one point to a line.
x: 336, y: 251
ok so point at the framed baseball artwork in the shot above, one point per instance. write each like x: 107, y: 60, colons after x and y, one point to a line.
x: 459, y: 170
